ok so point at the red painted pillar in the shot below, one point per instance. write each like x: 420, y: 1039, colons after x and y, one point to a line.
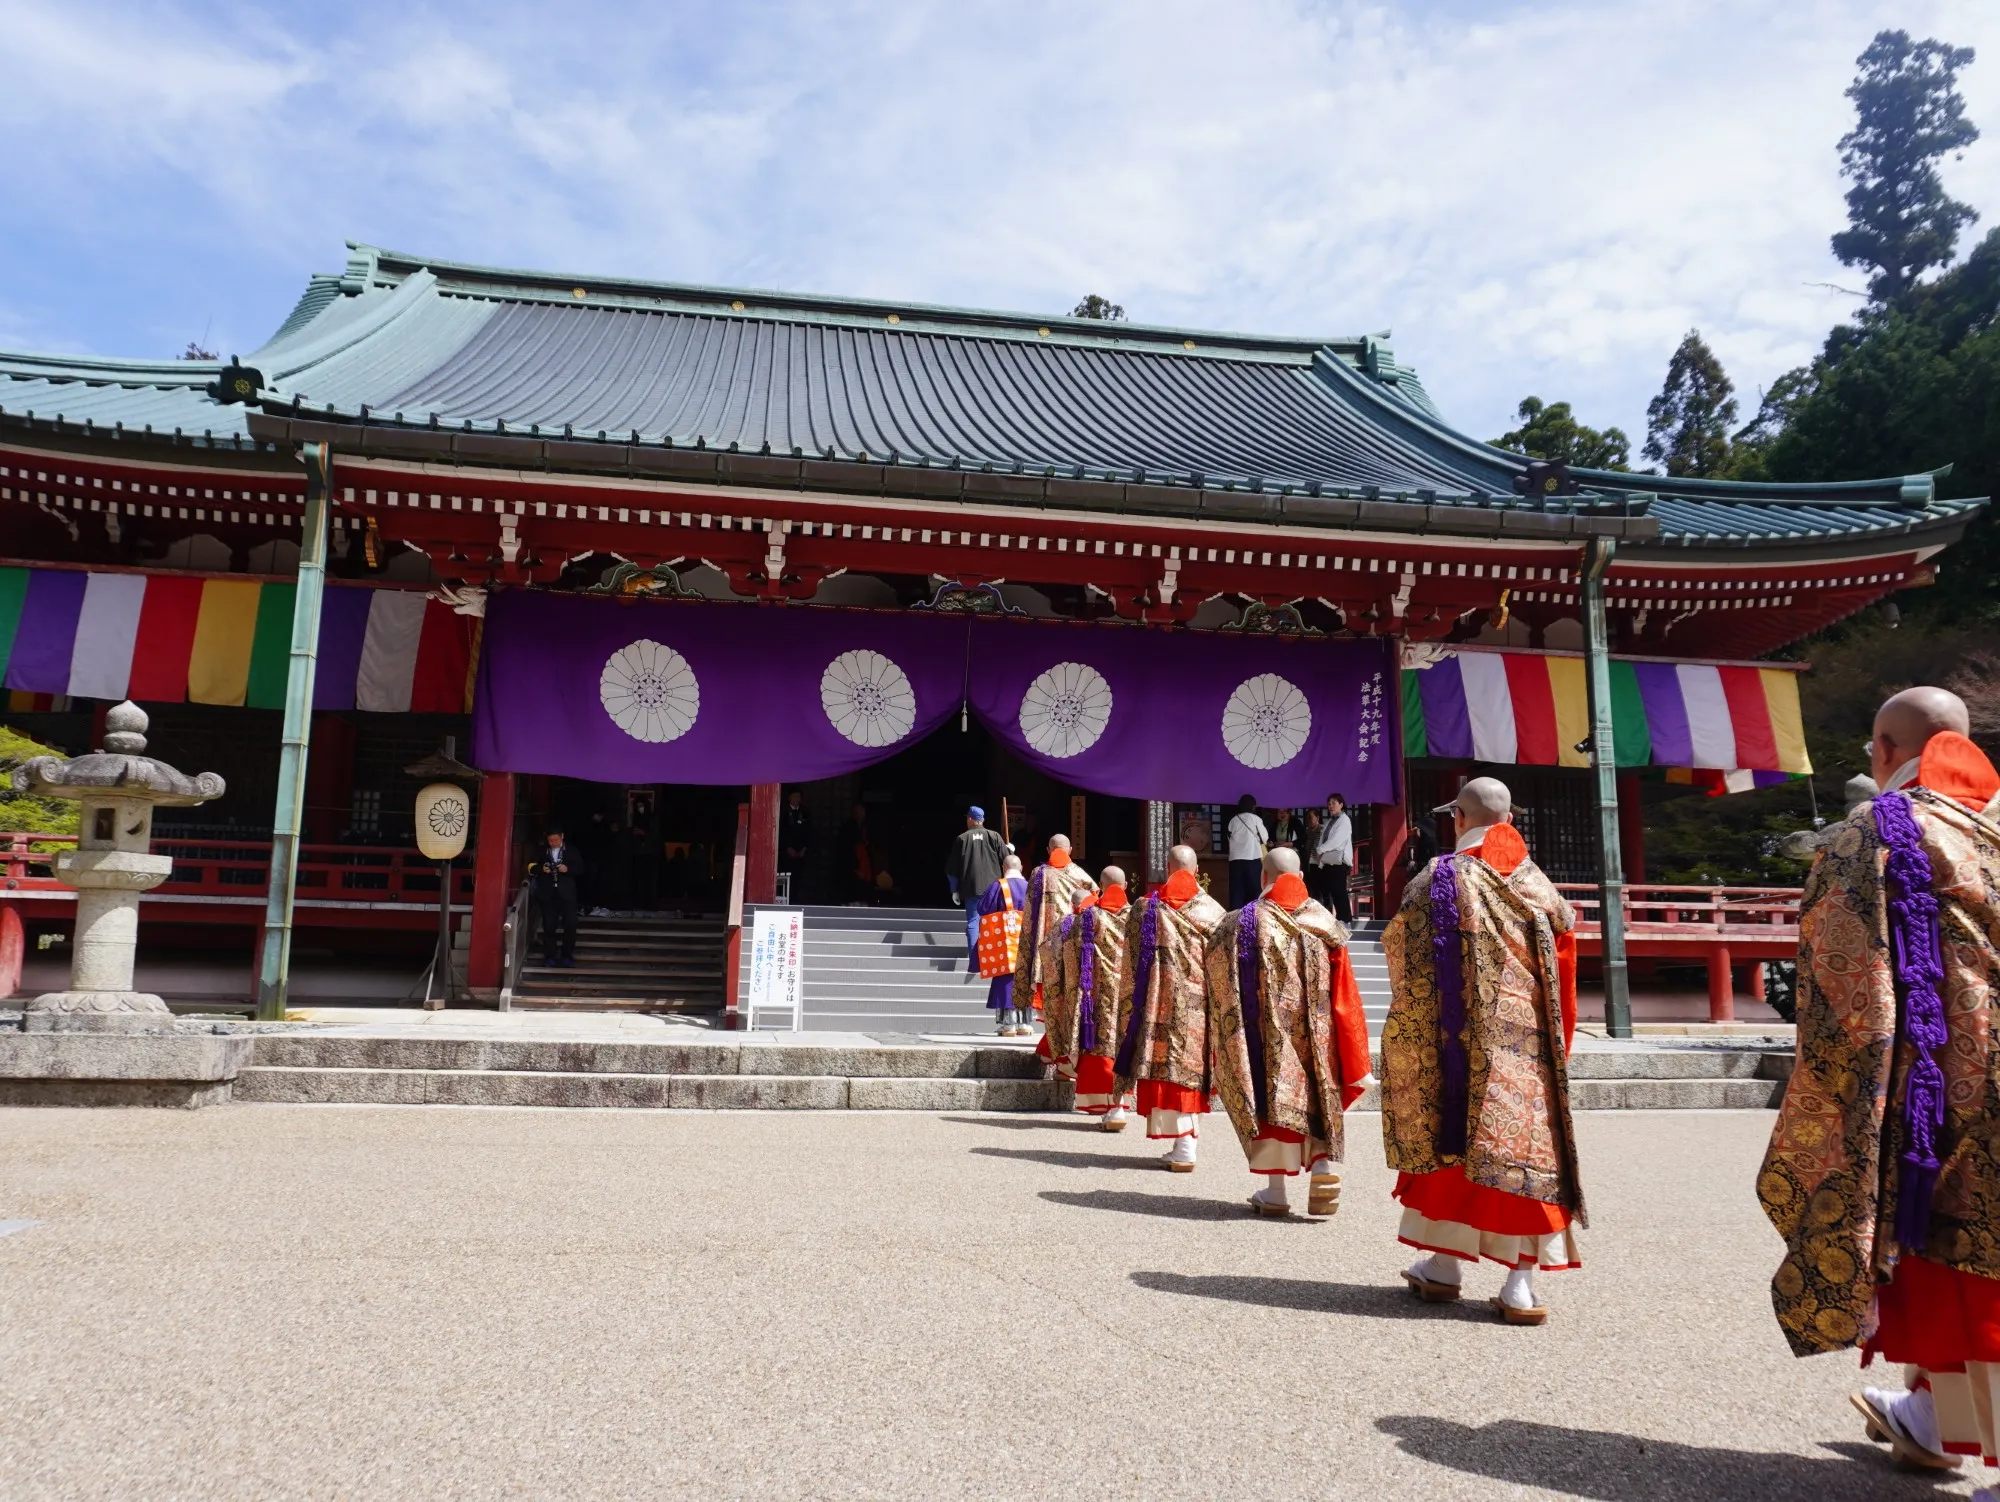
x: 1632, y: 826
x: 329, y: 778
x: 13, y: 949
x: 760, y: 881
x: 1392, y: 820
x: 493, y: 880
x: 1721, y: 986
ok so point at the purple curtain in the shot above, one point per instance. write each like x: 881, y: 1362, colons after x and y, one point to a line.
x: 668, y: 691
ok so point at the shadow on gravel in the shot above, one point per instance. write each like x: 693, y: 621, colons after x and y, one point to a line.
x: 1056, y: 1159
x: 1029, y: 1123
x: 1166, y: 1206
x: 1369, y: 1300
x: 1622, y: 1468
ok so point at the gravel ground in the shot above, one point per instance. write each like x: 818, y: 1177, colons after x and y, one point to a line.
x: 360, y: 1302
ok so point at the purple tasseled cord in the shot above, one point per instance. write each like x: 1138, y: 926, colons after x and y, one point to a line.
x: 1919, y: 965
x: 1246, y: 985
x: 1086, y: 980
x: 1142, y: 980
x: 1033, y: 931
x: 1448, y: 962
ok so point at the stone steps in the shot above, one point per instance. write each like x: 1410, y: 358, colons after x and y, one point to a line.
x: 730, y: 1072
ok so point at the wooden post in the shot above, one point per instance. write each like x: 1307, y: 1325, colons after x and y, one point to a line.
x: 1721, y: 986
x: 1392, y: 820
x: 1603, y: 760
x: 493, y: 882
x: 761, y: 876
x: 1756, y: 978
x: 1632, y: 825
x: 13, y: 948
x: 732, y: 953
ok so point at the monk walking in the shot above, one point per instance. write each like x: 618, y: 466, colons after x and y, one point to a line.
x: 1085, y: 1023
x: 1475, y: 1076
x: 1287, y: 1036
x: 1053, y: 888
x: 1883, y: 1173
x: 1164, y: 1046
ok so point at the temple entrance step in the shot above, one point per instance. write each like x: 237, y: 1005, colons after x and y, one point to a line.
x: 786, y: 1072
x: 631, y: 962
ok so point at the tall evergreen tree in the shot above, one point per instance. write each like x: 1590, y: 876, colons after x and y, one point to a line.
x: 1908, y: 114
x: 1688, y: 423
x: 1549, y: 430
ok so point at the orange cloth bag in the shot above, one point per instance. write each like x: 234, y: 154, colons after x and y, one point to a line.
x: 1000, y: 937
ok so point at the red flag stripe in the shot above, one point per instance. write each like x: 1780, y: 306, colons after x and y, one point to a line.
x: 1749, y: 717
x: 165, y: 641
x: 1534, y: 710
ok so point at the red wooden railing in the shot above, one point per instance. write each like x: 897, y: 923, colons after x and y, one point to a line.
x: 242, y: 868
x: 1722, y: 926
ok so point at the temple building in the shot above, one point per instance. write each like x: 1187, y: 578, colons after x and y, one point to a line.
x: 649, y: 557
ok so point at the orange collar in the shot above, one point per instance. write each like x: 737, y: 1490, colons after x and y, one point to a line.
x: 1059, y: 858
x: 1112, y: 899
x: 1289, y: 892
x: 1503, y: 849
x: 1955, y: 768
x: 1181, y: 888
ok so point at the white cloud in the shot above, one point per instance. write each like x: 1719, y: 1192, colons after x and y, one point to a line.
x: 1537, y: 199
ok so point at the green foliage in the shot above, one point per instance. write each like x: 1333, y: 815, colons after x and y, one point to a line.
x: 1688, y: 423
x: 1695, y: 840
x: 1908, y: 115
x: 20, y: 812
x: 1094, y: 306
x: 1906, y: 389
x: 1551, y: 431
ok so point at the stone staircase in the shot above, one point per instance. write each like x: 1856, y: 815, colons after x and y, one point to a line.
x: 904, y: 969
x: 734, y: 1071
x: 632, y: 962
x: 875, y: 969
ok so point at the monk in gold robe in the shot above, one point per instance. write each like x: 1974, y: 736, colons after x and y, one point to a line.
x: 1288, y: 1041
x: 1053, y: 890
x: 1163, y: 1046
x: 1883, y: 1174
x: 1085, y: 1020
x: 1475, y: 1062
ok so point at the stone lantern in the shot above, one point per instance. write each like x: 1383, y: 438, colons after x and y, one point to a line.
x: 111, y: 865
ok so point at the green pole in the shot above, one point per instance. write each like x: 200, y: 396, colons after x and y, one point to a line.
x: 1604, y: 763
x: 275, y: 964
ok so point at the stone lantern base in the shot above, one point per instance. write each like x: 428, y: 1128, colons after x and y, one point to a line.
x: 96, y: 1012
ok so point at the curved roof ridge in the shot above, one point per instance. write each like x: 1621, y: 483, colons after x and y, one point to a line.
x: 507, y: 283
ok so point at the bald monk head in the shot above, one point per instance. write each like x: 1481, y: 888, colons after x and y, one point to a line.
x: 1183, y: 858
x: 1011, y: 866
x: 1905, y: 724
x: 1058, y: 842
x: 1114, y: 876
x: 1280, y: 860
x: 1482, y: 801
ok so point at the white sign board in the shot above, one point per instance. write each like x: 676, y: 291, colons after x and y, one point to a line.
x: 777, y: 966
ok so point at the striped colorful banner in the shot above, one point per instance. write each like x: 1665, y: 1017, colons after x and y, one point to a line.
x: 1532, y: 709
x: 168, y: 638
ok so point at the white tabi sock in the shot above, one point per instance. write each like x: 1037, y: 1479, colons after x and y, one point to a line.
x: 1914, y: 1412
x: 1518, y: 1292
x: 1325, y: 1168
x: 1182, y: 1150
x: 1439, y: 1268
x: 1273, y: 1192
x: 1117, y: 1113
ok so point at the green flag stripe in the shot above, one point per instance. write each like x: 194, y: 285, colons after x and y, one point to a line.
x: 1415, y: 741
x: 1631, y: 740
x: 13, y: 595
x: 271, y: 647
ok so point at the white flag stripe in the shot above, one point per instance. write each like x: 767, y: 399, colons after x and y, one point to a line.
x: 1710, y: 730
x: 1489, y: 704
x: 389, y: 651
x: 100, y: 659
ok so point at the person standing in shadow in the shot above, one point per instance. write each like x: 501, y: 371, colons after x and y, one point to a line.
x: 555, y: 881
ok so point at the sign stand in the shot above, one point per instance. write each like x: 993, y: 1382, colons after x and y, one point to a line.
x: 777, y: 967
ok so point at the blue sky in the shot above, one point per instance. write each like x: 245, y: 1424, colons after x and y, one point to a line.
x: 1534, y: 197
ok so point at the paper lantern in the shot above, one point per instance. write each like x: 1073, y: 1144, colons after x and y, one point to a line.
x: 443, y: 817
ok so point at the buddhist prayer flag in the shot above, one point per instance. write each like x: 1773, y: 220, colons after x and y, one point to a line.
x: 168, y: 638
x: 1532, y: 709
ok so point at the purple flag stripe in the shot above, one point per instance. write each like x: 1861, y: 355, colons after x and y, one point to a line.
x: 1447, y: 722
x: 343, y: 625
x: 47, y: 636
x: 1666, y: 713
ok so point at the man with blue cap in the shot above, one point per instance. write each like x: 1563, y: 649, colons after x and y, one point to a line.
x: 977, y: 857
